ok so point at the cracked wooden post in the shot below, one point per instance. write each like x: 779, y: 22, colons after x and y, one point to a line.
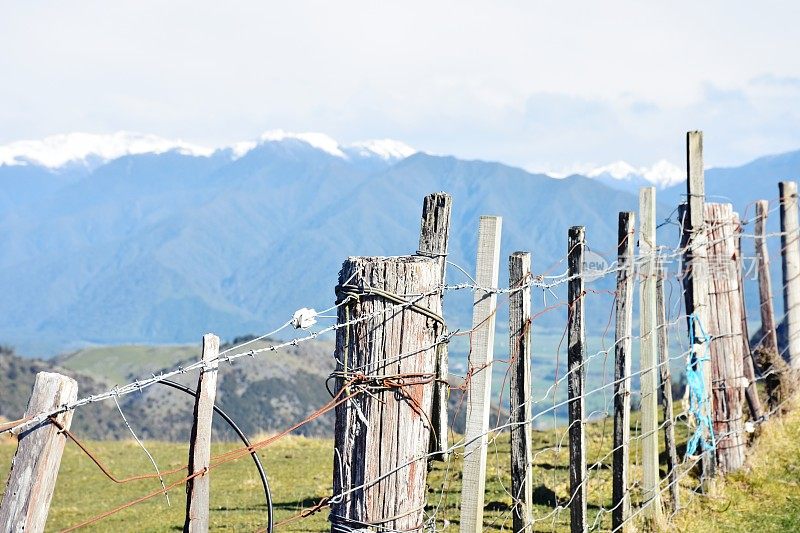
x: 433, y: 239
x: 621, y: 499
x: 386, y: 359
x: 651, y: 493
x: 695, y: 277
x: 519, y: 348
x: 666, y: 391
x: 769, y: 360
x: 724, y: 327
x: 34, y: 469
x: 479, y: 385
x: 790, y: 255
x: 576, y: 356
x: 748, y: 363
x: 198, y: 488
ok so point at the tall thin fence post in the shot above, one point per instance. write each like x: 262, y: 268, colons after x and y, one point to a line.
x: 434, y: 235
x: 695, y: 263
x: 748, y: 364
x: 651, y: 494
x: 790, y: 254
x: 621, y: 499
x: 767, y: 355
x: 576, y: 355
x: 519, y: 347
x: 198, y: 488
x: 666, y: 391
x: 479, y: 385
x: 724, y: 327
x: 386, y: 367
x: 34, y: 469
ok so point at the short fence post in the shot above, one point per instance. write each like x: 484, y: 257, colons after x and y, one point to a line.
x: 748, y: 365
x: 386, y: 365
x: 770, y: 362
x: 666, y: 391
x: 651, y: 494
x: 34, y: 469
x: 519, y: 347
x: 724, y: 327
x: 695, y: 264
x: 433, y: 239
x: 576, y: 356
x: 621, y: 502
x: 479, y: 384
x: 198, y: 488
x: 790, y: 254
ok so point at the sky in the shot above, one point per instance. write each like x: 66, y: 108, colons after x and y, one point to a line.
x: 554, y: 86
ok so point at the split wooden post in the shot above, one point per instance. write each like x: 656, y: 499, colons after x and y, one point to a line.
x: 434, y: 235
x: 724, y: 326
x: 651, y: 494
x: 790, y: 254
x: 198, y: 488
x: 34, y: 469
x: 666, y: 391
x: 386, y: 359
x: 748, y: 364
x: 576, y: 356
x: 621, y: 502
x: 770, y: 362
x: 695, y: 264
x: 479, y: 386
x: 519, y: 347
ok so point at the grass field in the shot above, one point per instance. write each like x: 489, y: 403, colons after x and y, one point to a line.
x: 762, y: 497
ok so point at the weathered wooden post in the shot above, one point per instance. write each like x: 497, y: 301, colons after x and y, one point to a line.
x: 666, y: 391
x: 695, y: 264
x: 651, y: 494
x: 724, y: 326
x: 519, y: 347
x: 621, y: 502
x: 198, y: 488
x: 34, y: 469
x: 790, y: 254
x: 748, y: 365
x: 434, y: 235
x: 479, y: 384
x: 386, y: 359
x: 576, y: 355
x: 770, y: 362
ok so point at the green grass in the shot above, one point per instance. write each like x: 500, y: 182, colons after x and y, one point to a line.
x: 764, y: 496
x: 118, y: 364
x: 299, y: 471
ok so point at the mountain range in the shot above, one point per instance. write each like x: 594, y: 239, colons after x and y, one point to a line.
x: 135, y: 239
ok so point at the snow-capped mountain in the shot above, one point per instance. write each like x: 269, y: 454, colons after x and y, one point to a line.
x: 624, y: 176
x: 92, y: 150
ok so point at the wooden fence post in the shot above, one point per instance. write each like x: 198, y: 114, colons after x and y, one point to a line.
x: 790, y: 254
x: 434, y: 235
x: 621, y: 501
x: 386, y: 359
x: 666, y: 391
x: 748, y: 365
x: 519, y: 347
x: 198, y: 488
x: 479, y: 384
x: 727, y: 373
x: 34, y: 469
x: 695, y: 263
x: 651, y: 494
x: 576, y: 356
x: 767, y: 354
